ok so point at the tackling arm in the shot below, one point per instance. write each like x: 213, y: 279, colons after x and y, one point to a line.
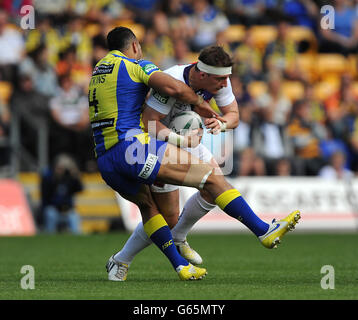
x: 166, y: 84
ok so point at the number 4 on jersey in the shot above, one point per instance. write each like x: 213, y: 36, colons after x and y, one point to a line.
x: 94, y: 102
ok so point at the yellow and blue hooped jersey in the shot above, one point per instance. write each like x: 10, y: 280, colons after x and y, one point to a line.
x: 116, y: 94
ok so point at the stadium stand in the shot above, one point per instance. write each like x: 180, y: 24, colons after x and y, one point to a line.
x: 71, y: 38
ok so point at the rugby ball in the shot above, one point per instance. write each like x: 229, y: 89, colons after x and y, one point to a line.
x: 186, y: 121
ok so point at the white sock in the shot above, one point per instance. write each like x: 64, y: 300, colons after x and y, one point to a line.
x: 194, y: 209
x: 138, y: 241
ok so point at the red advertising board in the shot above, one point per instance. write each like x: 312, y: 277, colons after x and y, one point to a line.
x: 15, y: 215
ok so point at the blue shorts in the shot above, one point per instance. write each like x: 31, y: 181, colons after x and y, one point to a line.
x: 132, y: 162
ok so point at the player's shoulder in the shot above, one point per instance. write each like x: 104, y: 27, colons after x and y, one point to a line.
x: 176, y: 71
x: 147, y: 66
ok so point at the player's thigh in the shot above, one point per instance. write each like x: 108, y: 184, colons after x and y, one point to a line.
x: 182, y: 168
x: 168, y: 205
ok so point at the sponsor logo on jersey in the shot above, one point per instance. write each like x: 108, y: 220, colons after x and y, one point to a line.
x: 103, y: 69
x: 148, y: 166
x: 102, y: 123
x: 160, y: 98
x: 148, y: 68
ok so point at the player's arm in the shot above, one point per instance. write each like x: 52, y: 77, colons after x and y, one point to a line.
x: 230, y: 113
x: 152, y: 124
x: 167, y: 85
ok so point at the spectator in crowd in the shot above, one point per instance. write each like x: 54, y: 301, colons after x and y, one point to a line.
x: 275, y: 100
x: 43, y: 74
x: 352, y: 140
x: 180, y: 56
x: 250, y: 164
x: 248, y: 60
x: 305, y: 136
x: 246, y: 12
x: 158, y: 44
x: 143, y: 10
x: 303, y: 12
x: 99, y: 40
x: 76, y: 36
x: 271, y: 142
x: 12, y: 50
x: 178, y: 20
x: 4, y: 134
x: 242, y: 135
x: 58, y: 188
x: 283, y: 168
x: 331, y: 145
x: 13, y: 8
x: 206, y: 22
x: 317, y: 108
x: 71, y: 129
x: 79, y: 72
x: 339, y: 106
x: 281, y: 54
x: 51, y: 8
x: 33, y: 107
x: 343, y: 38
x: 44, y: 35
x: 336, y: 169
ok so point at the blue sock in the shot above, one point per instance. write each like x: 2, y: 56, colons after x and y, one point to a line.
x: 159, y: 232
x: 232, y: 203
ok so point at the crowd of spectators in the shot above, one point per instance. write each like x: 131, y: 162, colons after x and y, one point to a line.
x: 49, y: 67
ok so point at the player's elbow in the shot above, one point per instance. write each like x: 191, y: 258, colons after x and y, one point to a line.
x: 174, y: 90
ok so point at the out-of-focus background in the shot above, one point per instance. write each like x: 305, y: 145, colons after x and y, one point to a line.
x: 295, y: 80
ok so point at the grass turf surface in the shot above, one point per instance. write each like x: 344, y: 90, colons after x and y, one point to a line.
x: 72, y: 267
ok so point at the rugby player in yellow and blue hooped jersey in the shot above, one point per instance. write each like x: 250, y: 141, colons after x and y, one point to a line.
x: 128, y: 158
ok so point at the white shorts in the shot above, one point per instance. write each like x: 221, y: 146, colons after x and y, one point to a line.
x: 200, y: 152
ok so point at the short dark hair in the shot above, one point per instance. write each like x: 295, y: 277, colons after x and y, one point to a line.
x: 216, y: 56
x: 120, y: 38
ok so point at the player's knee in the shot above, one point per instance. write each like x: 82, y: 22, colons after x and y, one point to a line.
x: 198, y: 174
x: 213, y: 180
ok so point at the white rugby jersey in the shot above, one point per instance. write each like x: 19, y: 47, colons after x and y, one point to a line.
x: 170, y: 106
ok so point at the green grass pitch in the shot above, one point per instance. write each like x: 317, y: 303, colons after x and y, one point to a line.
x: 239, y: 268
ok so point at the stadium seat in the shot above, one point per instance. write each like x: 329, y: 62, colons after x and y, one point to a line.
x: 5, y: 91
x: 300, y: 33
x: 137, y: 28
x: 352, y: 64
x: 192, y: 57
x: 93, y: 29
x: 323, y: 89
x: 262, y: 35
x: 306, y: 63
x: 235, y: 33
x: 330, y: 63
x: 355, y: 88
x: 256, y: 88
x: 293, y: 90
